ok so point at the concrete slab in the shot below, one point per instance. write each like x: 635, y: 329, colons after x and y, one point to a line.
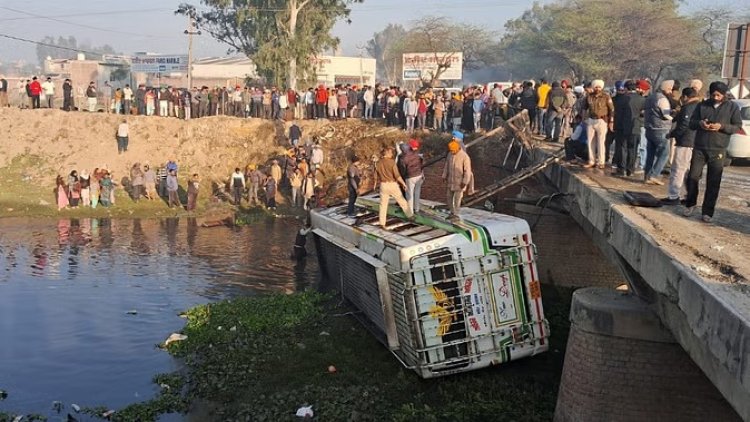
x: 699, y: 272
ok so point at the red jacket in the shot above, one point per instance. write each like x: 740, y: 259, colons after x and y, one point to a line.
x: 322, y: 95
x: 35, y: 87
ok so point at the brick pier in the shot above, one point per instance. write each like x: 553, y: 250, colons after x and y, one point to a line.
x: 622, y: 364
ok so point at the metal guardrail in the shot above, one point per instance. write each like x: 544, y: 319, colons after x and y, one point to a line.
x: 511, y: 180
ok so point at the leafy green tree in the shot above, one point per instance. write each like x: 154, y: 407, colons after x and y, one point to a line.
x: 440, y: 34
x: 280, y: 36
x: 585, y: 39
x: 386, y: 48
x: 436, y: 35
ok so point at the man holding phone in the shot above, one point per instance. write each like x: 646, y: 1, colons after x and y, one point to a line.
x: 714, y: 120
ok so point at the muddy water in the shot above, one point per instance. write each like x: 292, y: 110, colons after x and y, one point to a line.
x: 67, y: 287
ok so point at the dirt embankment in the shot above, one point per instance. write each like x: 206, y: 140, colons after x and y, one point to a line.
x: 45, y: 143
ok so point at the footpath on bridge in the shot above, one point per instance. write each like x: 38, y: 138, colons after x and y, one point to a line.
x: 696, y: 276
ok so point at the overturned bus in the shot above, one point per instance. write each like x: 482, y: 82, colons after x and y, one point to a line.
x: 444, y: 296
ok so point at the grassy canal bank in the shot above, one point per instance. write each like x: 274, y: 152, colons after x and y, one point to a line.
x: 262, y: 358
x: 26, y: 194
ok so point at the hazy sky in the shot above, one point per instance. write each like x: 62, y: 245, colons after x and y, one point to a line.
x: 150, y: 25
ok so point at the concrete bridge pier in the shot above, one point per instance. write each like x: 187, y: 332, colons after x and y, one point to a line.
x: 623, y: 364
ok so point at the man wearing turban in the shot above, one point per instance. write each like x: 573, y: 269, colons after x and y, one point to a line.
x: 714, y: 121
x: 601, y: 113
x: 458, y: 177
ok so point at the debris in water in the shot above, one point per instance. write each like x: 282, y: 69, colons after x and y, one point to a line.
x: 305, y: 412
x: 57, y: 406
x: 3, y: 395
x: 108, y: 414
x: 18, y: 418
x: 76, y: 408
x: 132, y: 312
x: 175, y: 337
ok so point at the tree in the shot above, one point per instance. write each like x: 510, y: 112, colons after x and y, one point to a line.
x: 713, y: 22
x: 66, y: 48
x: 280, y: 36
x: 440, y: 37
x: 617, y: 39
x: 386, y: 47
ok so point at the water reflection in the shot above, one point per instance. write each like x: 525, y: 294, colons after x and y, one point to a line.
x: 66, y: 287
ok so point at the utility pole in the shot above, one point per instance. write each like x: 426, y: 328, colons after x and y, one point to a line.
x: 190, y: 32
x: 361, y: 48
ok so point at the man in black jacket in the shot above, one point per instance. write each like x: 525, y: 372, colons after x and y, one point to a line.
x: 3, y: 92
x: 683, y: 152
x: 412, y: 174
x: 627, y: 128
x: 714, y: 121
x: 67, y: 95
x: 353, y: 178
x: 140, y: 100
x: 556, y: 102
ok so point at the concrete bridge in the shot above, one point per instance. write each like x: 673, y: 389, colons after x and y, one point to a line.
x: 679, y: 339
x: 694, y: 277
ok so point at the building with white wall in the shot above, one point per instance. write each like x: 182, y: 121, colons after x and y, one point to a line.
x: 333, y: 70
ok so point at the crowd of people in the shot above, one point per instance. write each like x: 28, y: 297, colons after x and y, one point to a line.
x: 144, y: 182
x: 297, y: 172
x: 633, y: 127
x: 640, y: 129
x: 473, y: 109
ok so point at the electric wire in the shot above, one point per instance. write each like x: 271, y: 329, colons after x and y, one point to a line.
x: 78, y: 50
x: 75, y: 15
x: 82, y: 25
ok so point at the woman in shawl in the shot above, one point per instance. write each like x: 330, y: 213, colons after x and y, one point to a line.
x: 333, y: 104
x: 94, y: 187
x: 270, y: 187
x: 85, y: 180
x: 75, y: 193
x: 106, y: 193
x: 62, y: 193
x: 72, y: 179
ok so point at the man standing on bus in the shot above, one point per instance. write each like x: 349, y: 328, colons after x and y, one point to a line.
x: 458, y: 177
x: 386, y: 173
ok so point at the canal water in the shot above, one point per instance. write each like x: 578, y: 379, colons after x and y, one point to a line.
x: 83, y: 303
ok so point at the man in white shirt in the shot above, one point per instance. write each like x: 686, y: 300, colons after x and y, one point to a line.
x: 127, y: 98
x: 369, y: 98
x: 309, y: 104
x: 48, y: 87
x: 122, y: 137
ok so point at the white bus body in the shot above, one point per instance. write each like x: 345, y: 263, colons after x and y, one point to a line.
x: 444, y: 297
